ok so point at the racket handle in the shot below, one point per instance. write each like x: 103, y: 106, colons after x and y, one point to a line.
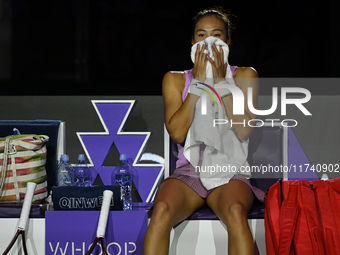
x: 104, y: 213
x: 26, y: 207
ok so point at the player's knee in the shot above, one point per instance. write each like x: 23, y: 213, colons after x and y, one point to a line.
x: 162, y: 209
x: 235, y: 213
x: 236, y: 209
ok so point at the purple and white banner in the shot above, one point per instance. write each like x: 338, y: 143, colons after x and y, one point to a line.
x: 72, y: 232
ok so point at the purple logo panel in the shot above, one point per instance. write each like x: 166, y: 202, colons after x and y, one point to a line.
x: 113, y: 115
x: 72, y: 233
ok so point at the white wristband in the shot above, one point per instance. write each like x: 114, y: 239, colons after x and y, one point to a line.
x: 194, y: 87
x: 222, y: 89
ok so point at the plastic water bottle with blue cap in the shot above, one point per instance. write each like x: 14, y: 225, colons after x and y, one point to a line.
x: 82, y: 173
x: 122, y: 176
x: 64, y: 172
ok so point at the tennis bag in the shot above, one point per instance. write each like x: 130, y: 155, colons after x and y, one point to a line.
x: 22, y: 160
x: 302, y: 217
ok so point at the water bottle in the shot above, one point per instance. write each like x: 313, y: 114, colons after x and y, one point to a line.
x: 324, y: 177
x: 122, y: 176
x: 82, y: 173
x: 64, y: 171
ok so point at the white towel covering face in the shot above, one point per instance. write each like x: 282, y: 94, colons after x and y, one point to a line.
x: 209, y: 41
x: 224, y: 152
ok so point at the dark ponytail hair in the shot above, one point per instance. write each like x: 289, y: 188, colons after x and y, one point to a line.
x: 218, y: 12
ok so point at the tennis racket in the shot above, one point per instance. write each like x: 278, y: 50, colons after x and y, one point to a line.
x: 25, y: 212
x: 104, y: 214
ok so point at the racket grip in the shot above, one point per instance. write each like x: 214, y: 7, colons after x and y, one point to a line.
x: 26, y: 207
x: 104, y: 213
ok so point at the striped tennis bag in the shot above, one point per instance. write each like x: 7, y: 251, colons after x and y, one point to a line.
x: 22, y: 160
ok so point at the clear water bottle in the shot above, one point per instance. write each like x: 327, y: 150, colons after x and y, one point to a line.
x: 82, y: 173
x: 324, y: 177
x: 122, y: 176
x: 64, y: 172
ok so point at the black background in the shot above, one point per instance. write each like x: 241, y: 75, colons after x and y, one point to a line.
x: 105, y: 47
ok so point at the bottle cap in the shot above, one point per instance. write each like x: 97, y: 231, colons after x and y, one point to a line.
x: 64, y: 158
x: 324, y: 177
x: 81, y: 157
x: 16, y: 131
x: 122, y: 157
